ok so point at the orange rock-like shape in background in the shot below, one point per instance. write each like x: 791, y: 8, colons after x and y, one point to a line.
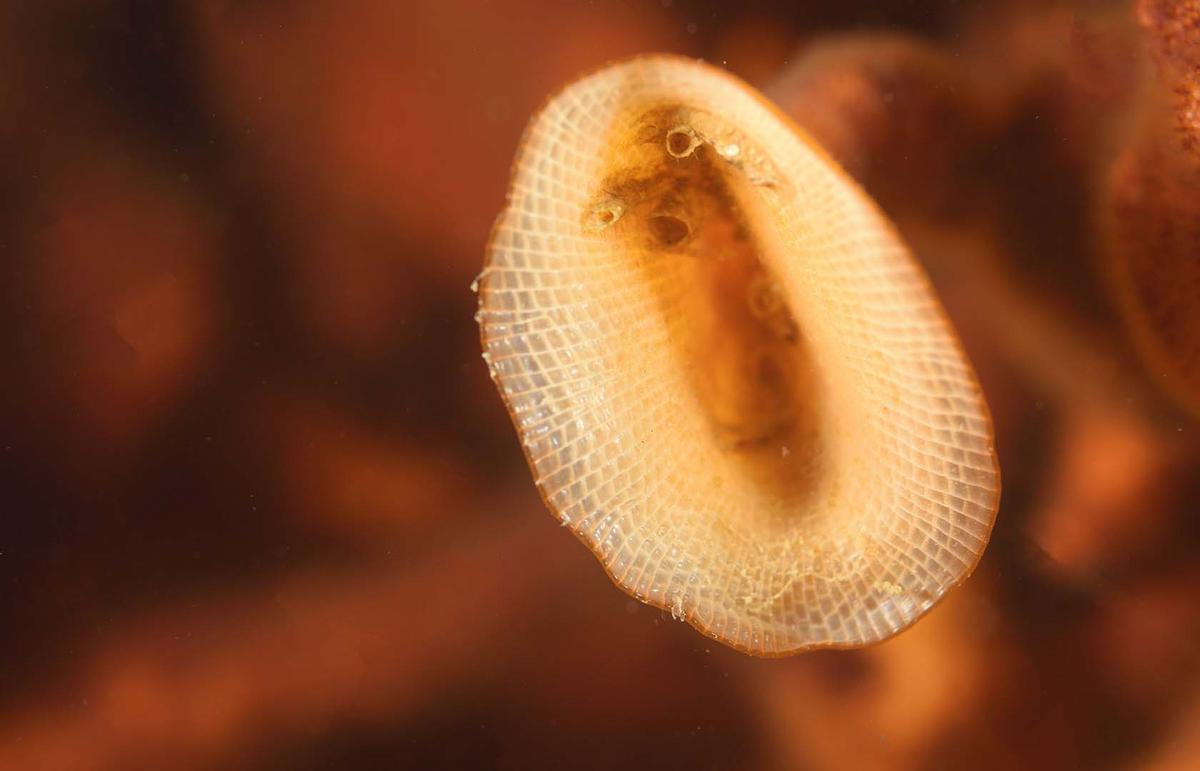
x: 1150, y: 212
x: 1145, y: 636
x: 123, y: 302
x: 754, y: 48
x: 898, y: 113
x: 1181, y: 742
x: 890, y: 707
x: 213, y: 683
x: 383, y: 134
x: 1112, y: 495
x: 344, y: 477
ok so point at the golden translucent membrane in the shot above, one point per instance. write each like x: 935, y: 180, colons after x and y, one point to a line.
x: 729, y: 377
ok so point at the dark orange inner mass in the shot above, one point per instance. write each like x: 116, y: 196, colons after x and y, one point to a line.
x: 693, y: 222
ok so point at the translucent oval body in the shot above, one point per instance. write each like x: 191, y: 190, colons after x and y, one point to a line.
x: 730, y: 378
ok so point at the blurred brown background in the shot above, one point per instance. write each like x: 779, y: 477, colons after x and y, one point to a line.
x: 263, y: 508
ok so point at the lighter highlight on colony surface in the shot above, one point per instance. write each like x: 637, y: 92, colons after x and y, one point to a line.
x: 729, y: 377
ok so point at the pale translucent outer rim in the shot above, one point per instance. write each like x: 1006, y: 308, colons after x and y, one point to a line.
x: 984, y: 412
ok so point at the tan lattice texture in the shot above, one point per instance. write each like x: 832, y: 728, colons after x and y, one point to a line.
x: 579, y: 336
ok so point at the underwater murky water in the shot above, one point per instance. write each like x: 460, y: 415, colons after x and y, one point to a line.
x: 266, y: 509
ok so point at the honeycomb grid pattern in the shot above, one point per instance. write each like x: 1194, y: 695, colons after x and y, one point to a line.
x: 578, y: 341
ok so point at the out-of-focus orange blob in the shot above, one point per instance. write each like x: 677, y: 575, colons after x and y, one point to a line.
x: 892, y: 706
x: 1150, y: 206
x: 384, y: 133
x: 123, y: 302
x: 344, y: 477
x: 1111, y: 494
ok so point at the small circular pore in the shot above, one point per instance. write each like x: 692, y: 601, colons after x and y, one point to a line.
x: 603, y: 215
x: 682, y: 141
x: 668, y: 230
